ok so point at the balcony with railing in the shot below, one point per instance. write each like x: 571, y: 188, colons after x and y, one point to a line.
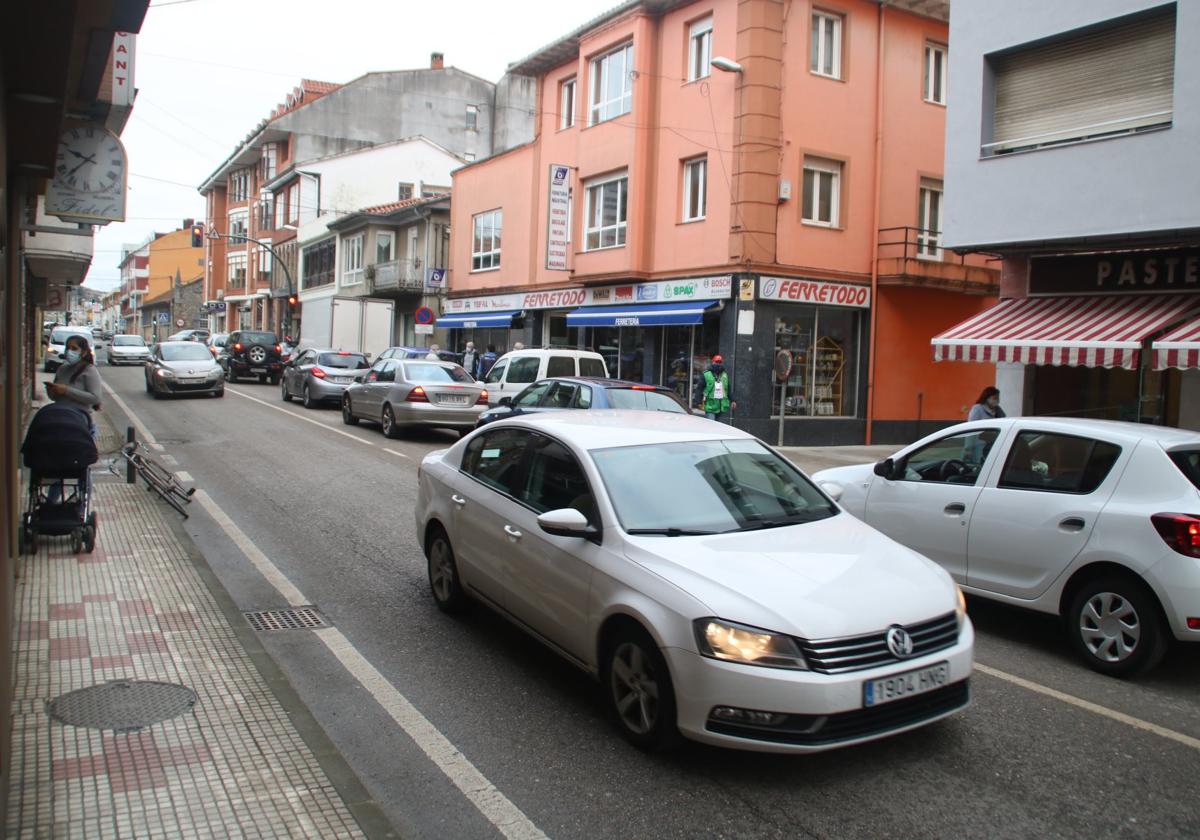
x: 397, y: 276
x: 914, y: 257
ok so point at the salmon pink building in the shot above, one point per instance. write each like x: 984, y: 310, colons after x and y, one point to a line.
x: 757, y: 179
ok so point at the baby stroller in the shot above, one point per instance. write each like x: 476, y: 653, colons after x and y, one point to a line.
x: 58, y: 450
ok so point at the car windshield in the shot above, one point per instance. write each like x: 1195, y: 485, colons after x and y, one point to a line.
x: 433, y: 372
x: 185, y: 353
x: 707, y: 487
x: 258, y: 338
x: 643, y: 400
x: 351, y: 361
x: 128, y: 341
x: 61, y: 336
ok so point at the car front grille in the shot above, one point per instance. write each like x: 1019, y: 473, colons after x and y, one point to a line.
x: 854, y: 653
x: 822, y: 730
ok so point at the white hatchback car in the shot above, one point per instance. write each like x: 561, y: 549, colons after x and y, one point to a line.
x: 1093, y: 520
x: 710, y: 586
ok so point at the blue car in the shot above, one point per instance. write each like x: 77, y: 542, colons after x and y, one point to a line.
x: 565, y: 393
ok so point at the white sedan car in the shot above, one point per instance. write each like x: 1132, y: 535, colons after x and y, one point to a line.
x: 1093, y: 520
x: 705, y: 581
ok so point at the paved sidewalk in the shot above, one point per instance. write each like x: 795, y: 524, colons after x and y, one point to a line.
x: 814, y: 458
x: 139, y: 608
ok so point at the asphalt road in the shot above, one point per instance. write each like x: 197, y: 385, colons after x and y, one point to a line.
x: 334, y: 515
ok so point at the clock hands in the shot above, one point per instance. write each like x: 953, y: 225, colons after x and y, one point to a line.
x: 84, y: 157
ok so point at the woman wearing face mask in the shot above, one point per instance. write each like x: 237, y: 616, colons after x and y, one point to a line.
x: 987, y: 407
x: 77, y: 382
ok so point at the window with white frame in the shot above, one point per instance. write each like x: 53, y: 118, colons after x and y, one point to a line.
x: 485, y: 240
x: 293, y: 203
x: 269, y: 161
x: 700, y: 49
x: 929, y: 220
x: 236, y: 263
x: 266, y: 211
x: 237, y: 225
x: 404, y: 192
x: 826, y: 50
x: 606, y: 212
x: 566, y: 103
x: 935, y: 73
x: 352, y: 260
x: 822, y: 191
x: 239, y: 185
x: 612, y: 84
x: 472, y: 118
x: 695, y: 189
x: 385, y: 246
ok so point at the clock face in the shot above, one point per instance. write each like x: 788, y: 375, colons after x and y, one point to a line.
x: 90, y: 161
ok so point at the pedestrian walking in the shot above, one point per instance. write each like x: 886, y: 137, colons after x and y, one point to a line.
x: 470, y: 360
x: 715, y: 398
x: 432, y: 355
x: 487, y: 360
x: 987, y: 407
x: 77, y: 382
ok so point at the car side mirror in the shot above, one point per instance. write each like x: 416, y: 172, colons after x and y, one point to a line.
x: 358, y: 377
x: 565, y: 522
x: 505, y: 401
x: 833, y: 490
x: 885, y: 468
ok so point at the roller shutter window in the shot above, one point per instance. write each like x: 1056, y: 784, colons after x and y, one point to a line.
x: 1114, y: 80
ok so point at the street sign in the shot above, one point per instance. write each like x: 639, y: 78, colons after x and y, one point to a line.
x: 437, y: 278
x: 163, y: 318
x: 424, y: 315
x: 423, y: 329
x: 179, y: 322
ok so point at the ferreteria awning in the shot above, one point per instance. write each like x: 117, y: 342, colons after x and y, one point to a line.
x: 683, y: 313
x: 1102, y: 331
x: 473, y: 320
x: 1179, y: 348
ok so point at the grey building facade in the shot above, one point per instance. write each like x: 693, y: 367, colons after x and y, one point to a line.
x: 1072, y: 136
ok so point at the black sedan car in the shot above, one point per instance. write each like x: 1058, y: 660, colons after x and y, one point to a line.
x: 561, y: 393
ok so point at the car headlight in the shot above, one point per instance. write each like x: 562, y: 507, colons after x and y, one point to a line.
x: 960, y: 609
x: 165, y: 374
x: 733, y: 642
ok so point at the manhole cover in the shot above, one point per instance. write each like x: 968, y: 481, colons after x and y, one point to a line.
x: 294, y: 618
x: 122, y: 705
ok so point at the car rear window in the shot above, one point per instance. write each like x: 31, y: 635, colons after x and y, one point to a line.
x: 258, y: 338
x: 592, y: 368
x: 128, y: 341
x: 1188, y: 462
x: 61, y: 336
x: 561, y: 366
x: 433, y: 372
x: 643, y: 400
x: 351, y: 361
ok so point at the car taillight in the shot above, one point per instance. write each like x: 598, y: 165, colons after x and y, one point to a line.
x: 482, y: 397
x: 317, y: 372
x: 238, y: 347
x: 343, y: 352
x: 644, y: 388
x: 417, y: 394
x: 278, y: 348
x: 1181, y: 531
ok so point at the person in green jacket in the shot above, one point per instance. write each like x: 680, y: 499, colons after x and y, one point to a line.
x: 715, y: 400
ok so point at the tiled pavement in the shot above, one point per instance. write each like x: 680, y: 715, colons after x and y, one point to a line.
x: 138, y: 609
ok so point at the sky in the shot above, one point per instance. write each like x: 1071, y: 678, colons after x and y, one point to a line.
x: 207, y: 71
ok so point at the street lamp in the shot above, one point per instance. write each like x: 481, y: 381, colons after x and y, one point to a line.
x: 726, y: 64
x: 238, y: 237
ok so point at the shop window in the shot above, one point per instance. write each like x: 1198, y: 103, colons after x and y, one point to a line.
x: 822, y: 192
x: 677, y: 361
x: 700, y: 49
x: 935, y: 74
x: 816, y: 363
x: 826, y: 52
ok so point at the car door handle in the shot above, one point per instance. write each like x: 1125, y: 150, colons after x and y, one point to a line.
x: 458, y: 500
x: 513, y: 533
x: 955, y: 509
x: 1072, y: 523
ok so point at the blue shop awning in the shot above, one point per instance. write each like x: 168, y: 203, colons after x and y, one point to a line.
x: 473, y: 320
x: 647, y: 315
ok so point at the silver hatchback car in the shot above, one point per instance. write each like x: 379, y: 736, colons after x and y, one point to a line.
x: 399, y: 393
x: 318, y: 376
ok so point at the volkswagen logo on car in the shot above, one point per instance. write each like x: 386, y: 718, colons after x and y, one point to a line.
x: 899, y: 642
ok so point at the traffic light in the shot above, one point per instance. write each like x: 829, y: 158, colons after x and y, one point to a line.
x: 292, y: 299
x: 197, y: 236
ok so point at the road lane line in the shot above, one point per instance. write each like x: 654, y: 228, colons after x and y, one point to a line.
x: 1094, y: 708
x: 184, y: 476
x: 396, y: 452
x: 325, y: 426
x: 142, y: 431
x: 498, y: 809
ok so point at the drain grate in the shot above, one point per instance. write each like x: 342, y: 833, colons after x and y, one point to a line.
x: 122, y: 705
x: 293, y: 618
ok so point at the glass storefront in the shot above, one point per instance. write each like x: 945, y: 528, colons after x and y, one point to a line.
x: 815, y: 372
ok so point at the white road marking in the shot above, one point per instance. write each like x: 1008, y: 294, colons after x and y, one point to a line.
x: 1094, y: 708
x: 170, y: 460
x: 184, y: 476
x: 142, y: 431
x: 397, y: 452
x: 325, y: 426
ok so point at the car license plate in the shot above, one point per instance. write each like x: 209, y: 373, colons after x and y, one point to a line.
x: 258, y: 370
x: 454, y: 399
x: 908, y: 684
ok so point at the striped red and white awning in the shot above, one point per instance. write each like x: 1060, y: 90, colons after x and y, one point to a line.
x: 1180, y: 348
x: 1103, y: 331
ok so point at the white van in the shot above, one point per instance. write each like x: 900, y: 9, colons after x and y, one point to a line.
x: 514, y: 371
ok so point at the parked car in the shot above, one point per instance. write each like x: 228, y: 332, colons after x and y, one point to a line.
x: 216, y: 343
x: 517, y: 369
x: 709, y: 585
x: 107, y: 335
x: 1092, y: 520
x: 57, y: 343
x: 418, y: 353
x: 252, y: 353
x: 320, y: 376
x: 200, y: 335
x: 97, y: 335
x: 183, y: 367
x: 401, y: 393
x: 127, y: 350
x: 566, y: 393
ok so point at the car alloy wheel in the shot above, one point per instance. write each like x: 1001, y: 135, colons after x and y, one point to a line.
x: 1115, y: 623
x: 443, y: 574
x: 309, y: 402
x: 640, y: 692
x: 284, y: 392
x: 257, y: 354
x: 347, y: 413
x: 389, y: 423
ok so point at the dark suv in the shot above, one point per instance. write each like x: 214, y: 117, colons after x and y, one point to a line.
x: 252, y: 353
